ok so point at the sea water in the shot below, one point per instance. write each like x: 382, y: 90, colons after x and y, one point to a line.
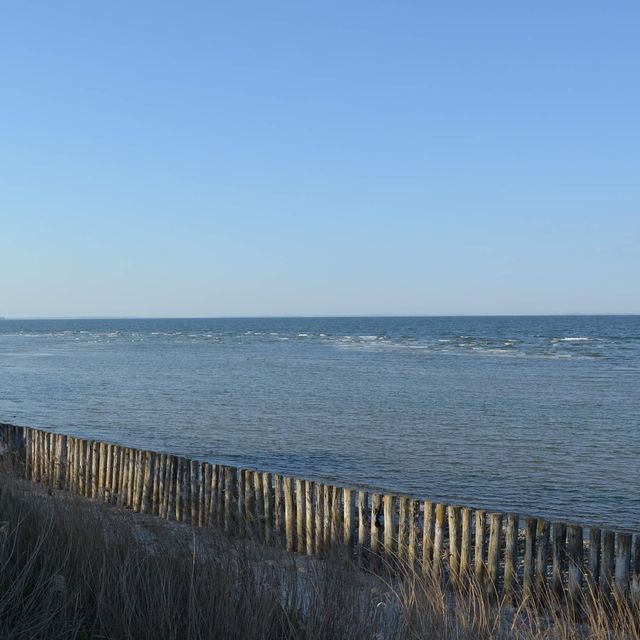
x: 536, y: 415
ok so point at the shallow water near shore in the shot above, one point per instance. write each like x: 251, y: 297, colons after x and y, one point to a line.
x: 537, y: 415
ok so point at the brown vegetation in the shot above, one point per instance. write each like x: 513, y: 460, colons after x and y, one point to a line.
x: 72, y: 568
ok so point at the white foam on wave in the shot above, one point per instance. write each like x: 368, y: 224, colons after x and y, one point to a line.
x: 574, y: 339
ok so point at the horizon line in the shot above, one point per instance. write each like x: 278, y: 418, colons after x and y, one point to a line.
x: 324, y: 316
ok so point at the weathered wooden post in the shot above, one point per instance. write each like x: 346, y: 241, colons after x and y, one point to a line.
x: 52, y: 458
x: 41, y: 456
x: 336, y: 516
x: 147, y: 483
x: 575, y: 557
x: 194, y: 478
x: 62, y: 475
x: 108, y: 462
x: 511, y: 558
x: 388, y: 510
x: 438, y: 539
x: 157, y: 481
x: 414, y: 524
x: 132, y: 478
x: 493, y: 554
x: 363, y: 523
x: 63, y: 459
x: 27, y: 454
x: 213, y: 505
x: 308, y: 499
x: 44, y: 453
x: 129, y: 477
x: 428, y: 526
x: 47, y: 458
x: 249, y: 510
x: 158, y: 484
x: 326, y: 526
x: 179, y: 502
x: 35, y: 456
x: 278, y: 505
x: 530, y: 529
x: 136, y: 476
x: 115, y: 475
x: 147, y: 468
x: 244, y: 515
x: 559, y: 554
x: 68, y: 472
x: 208, y: 471
x: 202, y: 504
x: 376, y: 526
x: 268, y: 506
x: 319, y: 524
x: 542, y: 554
x: 623, y: 561
x: 47, y: 450
x: 122, y: 457
x: 170, y: 488
x: 70, y: 477
x: 186, y: 492
x: 51, y: 450
x: 71, y: 454
x: 593, y: 575
x: 454, y: 544
x: 347, y: 519
x: 95, y: 466
x: 163, y: 486
x: 36, y: 453
x: 31, y: 456
x: 259, y: 506
x: 288, y: 511
x: 465, y: 544
x: 230, y: 487
x: 81, y: 464
x: 102, y: 469
x: 403, y: 530
x: 300, y: 515
x: 220, y: 495
x: 108, y: 480
x: 124, y: 477
x: 138, y: 479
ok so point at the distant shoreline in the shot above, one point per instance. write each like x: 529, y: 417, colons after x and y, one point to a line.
x: 329, y: 317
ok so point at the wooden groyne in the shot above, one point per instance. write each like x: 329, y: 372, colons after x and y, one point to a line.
x: 507, y: 555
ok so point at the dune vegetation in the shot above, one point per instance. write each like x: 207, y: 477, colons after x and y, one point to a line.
x: 73, y: 568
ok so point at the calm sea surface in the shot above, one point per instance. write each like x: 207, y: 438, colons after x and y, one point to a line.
x: 537, y: 415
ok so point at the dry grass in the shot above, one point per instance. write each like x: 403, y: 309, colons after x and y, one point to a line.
x: 70, y: 568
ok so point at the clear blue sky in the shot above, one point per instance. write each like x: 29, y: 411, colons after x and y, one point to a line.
x: 299, y: 158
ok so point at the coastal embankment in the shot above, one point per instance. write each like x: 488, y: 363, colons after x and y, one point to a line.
x: 507, y: 556
x: 98, y: 540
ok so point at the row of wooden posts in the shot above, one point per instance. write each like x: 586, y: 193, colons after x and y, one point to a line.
x: 507, y: 555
